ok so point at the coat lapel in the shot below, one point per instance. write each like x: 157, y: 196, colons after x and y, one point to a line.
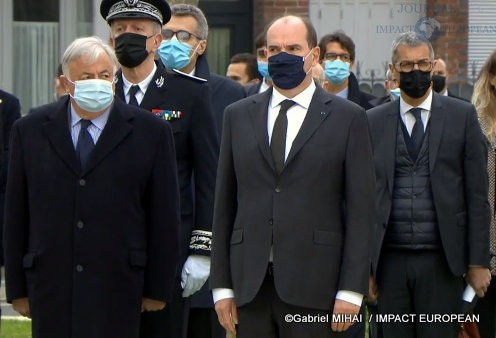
x: 116, y: 129
x: 57, y: 131
x: 436, y: 124
x: 317, y: 112
x: 389, y: 142
x: 258, y: 115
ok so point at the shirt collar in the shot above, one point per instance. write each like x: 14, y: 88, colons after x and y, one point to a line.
x: 143, y: 84
x: 98, y: 121
x: 425, y: 105
x: 303, y: 99
x: 344, y: 93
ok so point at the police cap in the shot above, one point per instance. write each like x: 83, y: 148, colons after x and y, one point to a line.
x: 157, y: 10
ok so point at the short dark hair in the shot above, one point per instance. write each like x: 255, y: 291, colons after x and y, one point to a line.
x: 261, y: 40
x: 251, y: 64
x: 340, y: 37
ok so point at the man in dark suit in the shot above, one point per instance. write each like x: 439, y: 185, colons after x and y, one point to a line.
x: 190, y: 19
x: 431, y: 185
x: 440, y: 80
x: 185, y: 103
x: 191, y: 22
x: 294, y: 200
x: 92, y: 207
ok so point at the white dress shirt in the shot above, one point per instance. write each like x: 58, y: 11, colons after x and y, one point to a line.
x: 143, y: 85
x: 296, y: 115
x: 408, y: 118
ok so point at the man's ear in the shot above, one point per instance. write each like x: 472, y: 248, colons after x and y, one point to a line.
x: 202, y: 47
x: 64, y: 82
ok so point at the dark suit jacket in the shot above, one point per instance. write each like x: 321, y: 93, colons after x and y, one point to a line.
x: 361, y: 98
x: 10, y: 111
x: 457, y: 163
x: 86, y: 245
x: 253, y: 88
x: 317, y: 213
x: 196, y: 142
x: 223, y: 91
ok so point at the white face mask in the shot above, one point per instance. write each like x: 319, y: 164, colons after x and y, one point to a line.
x: 93, y: 95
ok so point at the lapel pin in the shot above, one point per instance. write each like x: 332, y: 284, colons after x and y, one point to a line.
x: 159, y: 82
x: 323, y: 113
x: 0, y: 100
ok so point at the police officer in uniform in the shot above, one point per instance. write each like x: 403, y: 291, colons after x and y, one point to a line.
x: 136, y: 36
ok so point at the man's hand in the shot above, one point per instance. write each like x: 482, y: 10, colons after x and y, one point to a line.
x: 195, y: 273
x: 21, y: 305
x: 227, y: 314
x: 343, y: 307
x: 148, y: 304
x: 479, y: 278
x: 373, y: 293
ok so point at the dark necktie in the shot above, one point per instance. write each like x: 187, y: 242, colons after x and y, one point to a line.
x: 84, y: 143
x: 132, y: 95
x: 417, y: 135
x: 278, y: 139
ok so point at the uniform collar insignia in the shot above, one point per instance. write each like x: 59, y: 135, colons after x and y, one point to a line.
x: 159, y: 82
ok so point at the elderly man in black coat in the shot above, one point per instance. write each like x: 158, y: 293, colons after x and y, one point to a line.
x: 92, y: 207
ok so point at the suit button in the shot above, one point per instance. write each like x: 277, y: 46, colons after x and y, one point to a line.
x: 82, y: 182
x: 271, y: 221
x: 80, y: 224
x: 79, y: 268
x: 277, y: 189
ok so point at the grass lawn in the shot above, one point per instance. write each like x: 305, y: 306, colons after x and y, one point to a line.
x: 15, y: 329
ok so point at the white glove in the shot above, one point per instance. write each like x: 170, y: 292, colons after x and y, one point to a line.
x: 195, y: 273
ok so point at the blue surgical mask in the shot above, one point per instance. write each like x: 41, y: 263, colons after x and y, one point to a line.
x: 286, y: 70
x: 93, y: 95
x: 394, y: 94
x: 336, y: 71
x: 263, y: 69
x: 174, y: 54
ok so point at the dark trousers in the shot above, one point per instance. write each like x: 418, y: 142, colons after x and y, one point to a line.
x: 266, y: 317
x: 420, y: 283
x: 486, y: 309
x: 203, y: 323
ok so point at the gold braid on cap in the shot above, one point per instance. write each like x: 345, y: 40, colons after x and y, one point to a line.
x: 134, y: 7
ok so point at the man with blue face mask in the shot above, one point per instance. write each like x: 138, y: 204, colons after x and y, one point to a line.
x: 263, y: 66
x: 337, y: 55
x: 284, y: 247
x: 92, y: 207
x: 183, y: 49
x: 136, y: 28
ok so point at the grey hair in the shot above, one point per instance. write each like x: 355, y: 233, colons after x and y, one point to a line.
x: 196, y: 13
x: 409, y: 39
x: 90, y: 47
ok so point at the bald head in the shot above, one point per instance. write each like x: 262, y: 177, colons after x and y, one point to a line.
x: 288, y: 25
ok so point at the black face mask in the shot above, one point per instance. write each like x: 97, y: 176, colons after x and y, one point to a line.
x: 130, y: 49
x: 415, y: 83
x: 438, y: 83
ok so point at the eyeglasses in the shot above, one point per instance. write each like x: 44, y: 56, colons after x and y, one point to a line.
x: 345, y: 57
x: 181, y: 35
x: 407, y: 66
